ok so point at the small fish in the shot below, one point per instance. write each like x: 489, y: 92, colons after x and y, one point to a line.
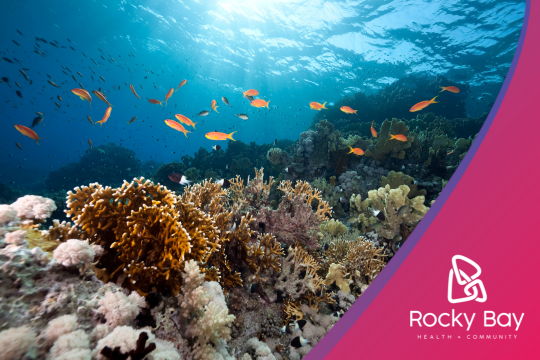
x: 397, y: 238
x: 101, y: 97
x: 219, y: 136
x: 132, y: 120
x: 214, y: 106
x: 299, y: 325
x: 36, y: 121
x: 57, y: 104
x: 133, y: 91
x: 5, y: 79
x: 356, y: 151
x: 452, y: 89
x: 242, y: 116
x: 216, y: 147
x: 352, y: 220
x: 203, y: 113
x: 84, y: 95
x: 18, y: 145
x: 40, y: 114
x: 286, y: 329
x: 90, y: 143
x: 28, y: 132
x: 18, y: 93
x: 185, y: 120
x: 398, y: 137
x: 403, y: 210
x: 181, y: 84
x: 423, y: 104
x: 156, y: 87
x: 19, y: 86
x: 74, y: 78
x: 16, y: 43
x: 105, y: 117
x: 316, y: 106
x: 224, y: 183
x: 20, y: 33
x: 448, y: 153
x: 9, y: 61
x: 251, y: 92
x: 260, y: 103
x: 24, y: 74
x: 79, y: 74
x: 250, y: 98
x: 373, y: 132
x: 376, y: 226
x: 154, y: 101
x: 286, y: 169
x: 179, y: 179
x: 168, y: 95
x: 90, y: 119
x: 252, y: 288
x: 225, y: 101
x: 59, y: 98
x: 348, y: 110
x: 53, y: 84
x: 226, y: 167
x: 176, y: 126
x: 299, y: 342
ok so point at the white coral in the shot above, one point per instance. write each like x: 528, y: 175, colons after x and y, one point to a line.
x: 73, y: 252
x: 15, y: 342
x: 60, y: 326
x: 32, y: 207
x: 118, y: 308
x: 67, y: 343
x: 15, y: 237
x: 260, y: 349
x: 124, y: 337
x: 7, y: 215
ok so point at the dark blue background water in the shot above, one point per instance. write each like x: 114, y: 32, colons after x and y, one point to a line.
x: 292, y: 52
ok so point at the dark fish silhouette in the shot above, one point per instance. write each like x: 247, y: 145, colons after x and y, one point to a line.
x: 16, y: 43
x: 36, y: 121
x: 9, y: 61
x: 19, y: 32
x: 18, y: 93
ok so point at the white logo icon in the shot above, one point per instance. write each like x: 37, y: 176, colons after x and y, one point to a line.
x: 471, y: 283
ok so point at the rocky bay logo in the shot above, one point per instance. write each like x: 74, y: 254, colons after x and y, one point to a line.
x: 470, y: 282
x: 474, y: 290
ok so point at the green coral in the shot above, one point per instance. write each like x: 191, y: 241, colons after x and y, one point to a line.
x: 192, y: 174
x: 334, y: 227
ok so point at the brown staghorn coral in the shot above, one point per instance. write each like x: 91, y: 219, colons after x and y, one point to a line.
x: 364, y: 260
x: 147, y: 232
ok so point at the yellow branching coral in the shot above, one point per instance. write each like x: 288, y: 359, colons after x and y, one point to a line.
x: 148, y: 233
x: 292, y: 310
x: 303, y: 189
x: 365, y: 260
x: 333, y: 227
x: 61, y: 231
x: 264, y: 255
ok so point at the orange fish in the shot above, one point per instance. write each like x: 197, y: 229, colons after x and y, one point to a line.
x: 169, y: 94
x: 105, y: 117
x: 133, y: 91
x: 373, y: 132
x: 101, y: 97
x: 423, y: 104
x: 356, y: 151
x: 214, y: 105
x: 185, y: 120
x: 316, y: 106
x: 398, y: 137
x: 181, y: 84
x: 348, y: 110
x: 452, y: 89
x: 219, y: 136
x: 176, y: 126
x: 28, y: 132
x: 154, y: 101
x: 260, y: 103
x: 450, y: 152
x: 251, y: 93
x: 84, y: 95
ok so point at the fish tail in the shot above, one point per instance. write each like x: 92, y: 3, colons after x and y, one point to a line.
x: 322, y: 107
x: 392, y: 137
x: 185, y: 133
x: 443, y: 88
x: 433, y: 100
x: 37, y: 140
x: 355, y: 112
x: 350, y: 147
x: 268, y: 102
x: 194, y: 125
x: 230, y: 136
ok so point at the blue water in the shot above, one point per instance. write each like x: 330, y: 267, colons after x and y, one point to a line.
x: 292, y: 52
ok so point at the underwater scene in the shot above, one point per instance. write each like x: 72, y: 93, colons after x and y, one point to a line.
x: 224, y: 179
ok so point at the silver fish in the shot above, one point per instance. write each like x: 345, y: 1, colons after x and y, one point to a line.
x: 225, y: 100
x: 203, y: 113
x: 242, y: 116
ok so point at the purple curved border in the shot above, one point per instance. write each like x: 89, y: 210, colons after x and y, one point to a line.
x: 339, y: 330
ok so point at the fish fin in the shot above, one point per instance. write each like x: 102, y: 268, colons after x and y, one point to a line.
x: 443, y: 88
x: 230, y: 136
x: 434, y: 102
x: 268, y: 102
x: 355, y: 112
x: 37, y: 140
x: 392, y: 137
x: 350, y: 147
x: 186, y: 132
x: 194, y: 125
x: 322, y: 107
